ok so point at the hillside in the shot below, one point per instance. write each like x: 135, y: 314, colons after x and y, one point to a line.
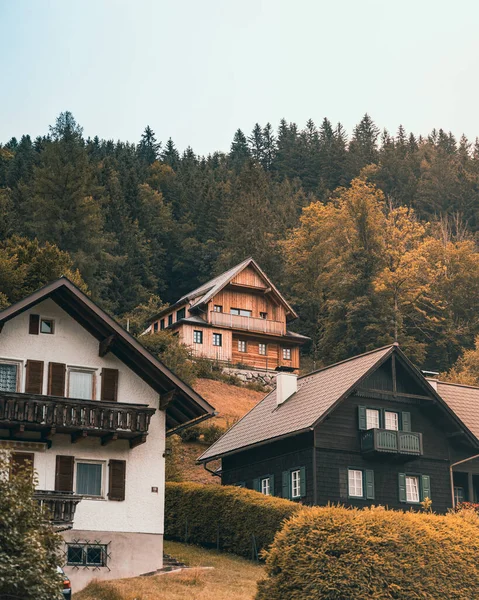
x: 231, y: 402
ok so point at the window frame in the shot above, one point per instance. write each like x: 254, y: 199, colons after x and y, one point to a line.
x: 361, y: 472
x: 200, y: 332
x: 398, y: 419
x: 162, y: 324
x: 217, y: 336
x: 103, y: 464
x: 181, y: 313
x: 410, y: 476
x: 218, y: 308
x: 85, y: 546
x: 420, y: 477
x: 155, y: 326
x: 267, y: 479
x: 18, y: 364
x: 286, y: 353
x: 265, y: 346
x: 292, y: 473
x: 75, y: 369
x: 263, y: 315
x: 237, y: 312
x: 403, y: 418
x: 367, y: 477
x: 242, y: 346
x: 47, y: 320
x: 170, y: 320
x: 456, y: 497
x: 378, y: 412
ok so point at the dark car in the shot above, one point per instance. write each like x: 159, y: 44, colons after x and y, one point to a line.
x: 67, y: 586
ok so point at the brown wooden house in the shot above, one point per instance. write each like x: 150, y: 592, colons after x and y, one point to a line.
x: 239, y: 317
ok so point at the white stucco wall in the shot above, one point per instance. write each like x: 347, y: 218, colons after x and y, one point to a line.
x: 142, y: 510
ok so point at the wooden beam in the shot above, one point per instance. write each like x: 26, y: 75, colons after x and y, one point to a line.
x: 51, y: 432
x: 105, y: 345
x: 393, y: 366
x: 136, y: 441
x: 78, y: 436
x: 16, y: 429
x: 166, y: 399
x: 455, y: 434
x: 107, y: 439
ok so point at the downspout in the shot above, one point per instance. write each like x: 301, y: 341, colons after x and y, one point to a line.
x: 210, y: 471
x: 451, y: 475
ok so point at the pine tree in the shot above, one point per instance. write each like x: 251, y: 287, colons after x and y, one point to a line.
x: 256, y: 144
x: 170, y: 155
x: 148, y: 148
x: 239, y: 152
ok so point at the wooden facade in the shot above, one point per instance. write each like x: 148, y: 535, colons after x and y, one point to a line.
x: 330, y: 450
x: 243, y: 323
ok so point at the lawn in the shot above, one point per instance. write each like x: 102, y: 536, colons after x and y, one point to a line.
x: 232, y: 577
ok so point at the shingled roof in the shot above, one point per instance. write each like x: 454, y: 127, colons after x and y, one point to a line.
x: 317, y: 394
x: 464, y: 401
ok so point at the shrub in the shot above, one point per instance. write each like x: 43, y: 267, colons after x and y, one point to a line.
x: 211, y: 433
x: 334, y: 552
x: 233, y: 519
x: 191, y: 434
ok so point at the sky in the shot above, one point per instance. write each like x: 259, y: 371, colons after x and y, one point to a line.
x: 197, y: 70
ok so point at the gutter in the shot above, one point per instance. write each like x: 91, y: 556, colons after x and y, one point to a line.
x: 451, y: 475
x: 171, y: 432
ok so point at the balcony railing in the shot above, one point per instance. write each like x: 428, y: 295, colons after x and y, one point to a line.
x: 390, y: 441
x: 247, y: 323
x: 61, y: 506
x: 26, y: 412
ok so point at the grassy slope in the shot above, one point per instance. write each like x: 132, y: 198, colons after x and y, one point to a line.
x: 231, y: 578
x: 232, y: 403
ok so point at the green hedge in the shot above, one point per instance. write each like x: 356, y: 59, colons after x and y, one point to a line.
x: 230, y: 518
x: 338, y: 553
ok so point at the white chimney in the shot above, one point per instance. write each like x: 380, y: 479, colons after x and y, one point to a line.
x: 286, y: 386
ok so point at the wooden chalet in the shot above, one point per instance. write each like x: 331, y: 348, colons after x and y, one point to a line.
x: 239, y: 317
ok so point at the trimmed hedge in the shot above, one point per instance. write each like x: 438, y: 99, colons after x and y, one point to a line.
x: 230, y: 518
x: 338, y: 553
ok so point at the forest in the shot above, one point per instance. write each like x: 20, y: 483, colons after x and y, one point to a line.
x: 371, y: 235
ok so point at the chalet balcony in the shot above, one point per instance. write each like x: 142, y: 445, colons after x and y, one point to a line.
x: 61, y: 506
x: 386, y: 441
x: 247, y: 323
x: 48, y: 415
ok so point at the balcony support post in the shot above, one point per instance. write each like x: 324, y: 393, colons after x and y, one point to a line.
x: 107, y: 439
x: 136, y: 441
x: 78, y: 436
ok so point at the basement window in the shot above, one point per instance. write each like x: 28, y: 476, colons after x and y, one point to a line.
x: 87, y: 555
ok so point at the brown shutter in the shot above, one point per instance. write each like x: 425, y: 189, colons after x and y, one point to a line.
x: 21, y: 461
x: 34, y: 327
x: 34, y: 379
x: 116, y: 487
x: 56, y: 379
x: 109, y: 385
x: 64, y: 474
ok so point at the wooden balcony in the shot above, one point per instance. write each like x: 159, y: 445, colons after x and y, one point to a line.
x: 79, y: 418
x: 247, y: 323
x: 386, y: 441
x: 61, y: 506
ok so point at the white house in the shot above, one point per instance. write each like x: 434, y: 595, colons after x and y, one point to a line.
x: 91, y: 408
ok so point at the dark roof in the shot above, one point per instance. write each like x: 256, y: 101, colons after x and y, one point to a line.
x: 186, y: 404
x: 318, y: 394
x: 204, y: 293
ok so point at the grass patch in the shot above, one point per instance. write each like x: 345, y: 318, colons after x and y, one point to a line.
x: 232, y: 577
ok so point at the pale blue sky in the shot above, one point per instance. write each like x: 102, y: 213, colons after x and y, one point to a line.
x: 196, y: 70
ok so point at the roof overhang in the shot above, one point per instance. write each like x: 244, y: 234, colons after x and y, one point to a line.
x: 182, y: 403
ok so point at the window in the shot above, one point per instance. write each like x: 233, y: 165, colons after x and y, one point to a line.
x: 262, y: 349
x: 372, y: 418
x: 197, y: 337
x: 181, y: 314
x: 217, y: 339
x: 155, y: 327
x: 170, y: 319
x: 355, y: 483
x: 241, y: 346
x: 391, y: 420
x: 89, y: 479
x: 296, y: 484
x: 263, y: 315
x: 459, y: 496
x: 91, y: 555
x: 80, y: 384
x: 287, y: 353
x: 266, y: 486
x: 162, y: 324
x: 47, y: 326
x: 217, y: 308
x: 412, y: 489
x: 241, y: 312
x: 8, y: 377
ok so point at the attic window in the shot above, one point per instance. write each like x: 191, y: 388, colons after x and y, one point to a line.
x: 47, y: 326
x: 217, y: 308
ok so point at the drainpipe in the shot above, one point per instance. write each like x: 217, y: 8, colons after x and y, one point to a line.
x: 451, y: 475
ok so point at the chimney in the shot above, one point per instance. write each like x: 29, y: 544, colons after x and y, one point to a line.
x: 286, y: 386
x: 431, y: 378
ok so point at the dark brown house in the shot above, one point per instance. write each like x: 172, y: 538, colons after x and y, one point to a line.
x: 368, y: 430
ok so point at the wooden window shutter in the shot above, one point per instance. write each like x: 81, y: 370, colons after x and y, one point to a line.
x: 109, y: 385
x: 116, y: 486
x: 402, y: 487
x: 406, y: 421
x: 343, y: 483
x: 21, y: 462
x: 286, y: 487
x: 64, y: 473
x: 271, y: 485
x: 425, y: 487
x: 34, y: 377
x: 302, y: 481
x: 369, y: 481
x: 362, y: 417
x: 257, y: 485
x: 56, y: 379
x: 34, y: 326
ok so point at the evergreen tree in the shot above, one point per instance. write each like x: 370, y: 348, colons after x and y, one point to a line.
x: 239, y: 152
x: 148, y: 148
x: 170, y: 155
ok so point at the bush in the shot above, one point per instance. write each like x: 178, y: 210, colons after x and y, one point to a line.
x: 211, y: 433
x: 233, y: 519
x: 191, y: 434
x: 334, y: 552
